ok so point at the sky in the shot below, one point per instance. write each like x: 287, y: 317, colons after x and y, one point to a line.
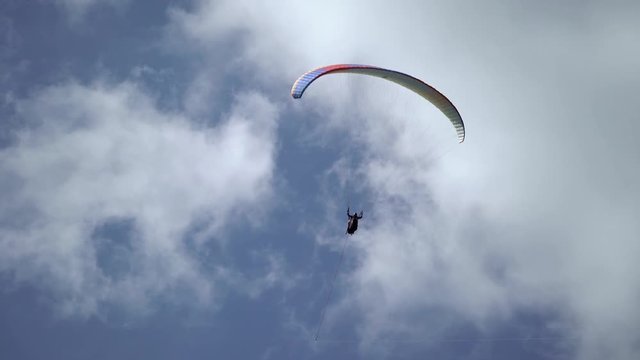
x: 164, y: 197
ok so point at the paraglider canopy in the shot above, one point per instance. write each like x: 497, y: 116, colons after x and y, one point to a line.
x: 416, y: 85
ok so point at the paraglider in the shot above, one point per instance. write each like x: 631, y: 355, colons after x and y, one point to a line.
x: 416, y: 85
x: 352, y: 224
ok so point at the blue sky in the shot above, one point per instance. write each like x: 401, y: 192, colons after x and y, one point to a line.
x: 164, y: 197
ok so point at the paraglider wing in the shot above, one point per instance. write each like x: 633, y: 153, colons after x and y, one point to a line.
x: 416, y: 85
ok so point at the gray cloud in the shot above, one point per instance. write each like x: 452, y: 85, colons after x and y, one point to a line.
x: 77, y: 9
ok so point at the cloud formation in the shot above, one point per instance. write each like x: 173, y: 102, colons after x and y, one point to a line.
x: 107, y: 200
x: 533, y: 213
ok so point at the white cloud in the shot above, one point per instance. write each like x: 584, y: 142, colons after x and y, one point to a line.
x: 97, y: 156
x: 535, y: 211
